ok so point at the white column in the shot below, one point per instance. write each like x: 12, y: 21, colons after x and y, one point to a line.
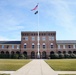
x: 74, y: 46
x: 63, y: 46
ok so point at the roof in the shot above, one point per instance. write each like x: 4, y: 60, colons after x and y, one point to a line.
x: 37, y: 31
x: 10, y: 42
x: 66, y: 41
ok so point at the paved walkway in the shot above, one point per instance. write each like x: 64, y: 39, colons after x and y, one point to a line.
x: 59, y: 72
x: 35, y: 67
x: 66, y: 72
x: 6, y: 72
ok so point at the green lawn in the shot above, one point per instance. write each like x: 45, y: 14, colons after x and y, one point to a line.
x: 12, y: 64
x: 62, y: 64
x: 4, y: 74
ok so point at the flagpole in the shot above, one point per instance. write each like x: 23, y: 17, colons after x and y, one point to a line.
x: 38, y: 33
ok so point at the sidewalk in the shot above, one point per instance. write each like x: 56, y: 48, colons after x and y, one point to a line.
x: 66, y: 72
x: 35, y: 67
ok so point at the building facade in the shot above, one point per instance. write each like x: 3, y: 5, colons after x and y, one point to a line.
x: 29, y: 45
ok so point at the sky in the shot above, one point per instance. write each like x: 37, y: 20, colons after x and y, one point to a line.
x: 54, y: 15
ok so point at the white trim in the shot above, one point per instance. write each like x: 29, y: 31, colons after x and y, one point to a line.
x: 51, y: 44
x: 43, y: 43
x: 33, y: 44
x: 25, y: 44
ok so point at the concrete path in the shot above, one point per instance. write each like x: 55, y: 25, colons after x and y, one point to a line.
x: 6, y: 72
x: 66, y: 72
x: 35, y: 67
x: 59, y: 72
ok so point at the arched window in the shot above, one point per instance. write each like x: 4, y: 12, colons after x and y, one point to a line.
x: 12, y: 52
x: 43, y: 54
x: 59, y: 52
x: 33, y: 45
x: 43, y: 45
x: 51, y: 52
x: 64, y: 52
x: 17, y: 52
x: 51, y: 45
x: 74, y: 52
x: 25, y: 45
x: 7, y: 52
x: 2, y: 52
x: 32, y: 54
x: 69, y: 52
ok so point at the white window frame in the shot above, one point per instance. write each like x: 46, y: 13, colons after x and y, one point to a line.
x: 58, y: 46
x: 43, y: 38
x: 44, y: 45
x: 33, y: 38
x: 17, y: 46
x: 12, y: 46
x: 2, y: 46
x: 33, y: 45
x: 23, y: 45
x: 51, y: 38
x: 51, y: 45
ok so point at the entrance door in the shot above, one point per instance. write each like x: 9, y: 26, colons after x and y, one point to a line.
x: 33, y: 55
x: 44, y: 55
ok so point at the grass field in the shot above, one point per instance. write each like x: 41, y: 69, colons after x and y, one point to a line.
x: 12, y: 64
x: 4, y: 74
x: 62, y: 64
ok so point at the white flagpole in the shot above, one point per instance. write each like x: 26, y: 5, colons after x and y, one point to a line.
x: 38, y: 33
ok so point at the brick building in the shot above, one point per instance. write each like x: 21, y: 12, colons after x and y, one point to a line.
x: 29, y: 45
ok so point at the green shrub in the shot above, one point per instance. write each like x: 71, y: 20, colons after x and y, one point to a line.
x: 16, y: 56
x: 73, y: 55
x: 61, y: 55
x: 54, y: 56
x: 66, y: 55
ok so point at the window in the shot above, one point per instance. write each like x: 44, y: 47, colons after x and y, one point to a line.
x: 7, y: 46
x: 51, y: 38
x: 58, y: 46
x: 17, y: 46
x: 74, y: 46
x: 2, y: 46
x: 43, y: 45
x: 33, y: 45
x: 24, y: 45
x: 33, y: 38
x: 51, y: 46
x: 43, y: 38
x: 69, y: 46
x: 12, y: 46
x: 26, y: 38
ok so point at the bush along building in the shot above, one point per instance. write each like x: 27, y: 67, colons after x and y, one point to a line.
x: 49, y: 47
